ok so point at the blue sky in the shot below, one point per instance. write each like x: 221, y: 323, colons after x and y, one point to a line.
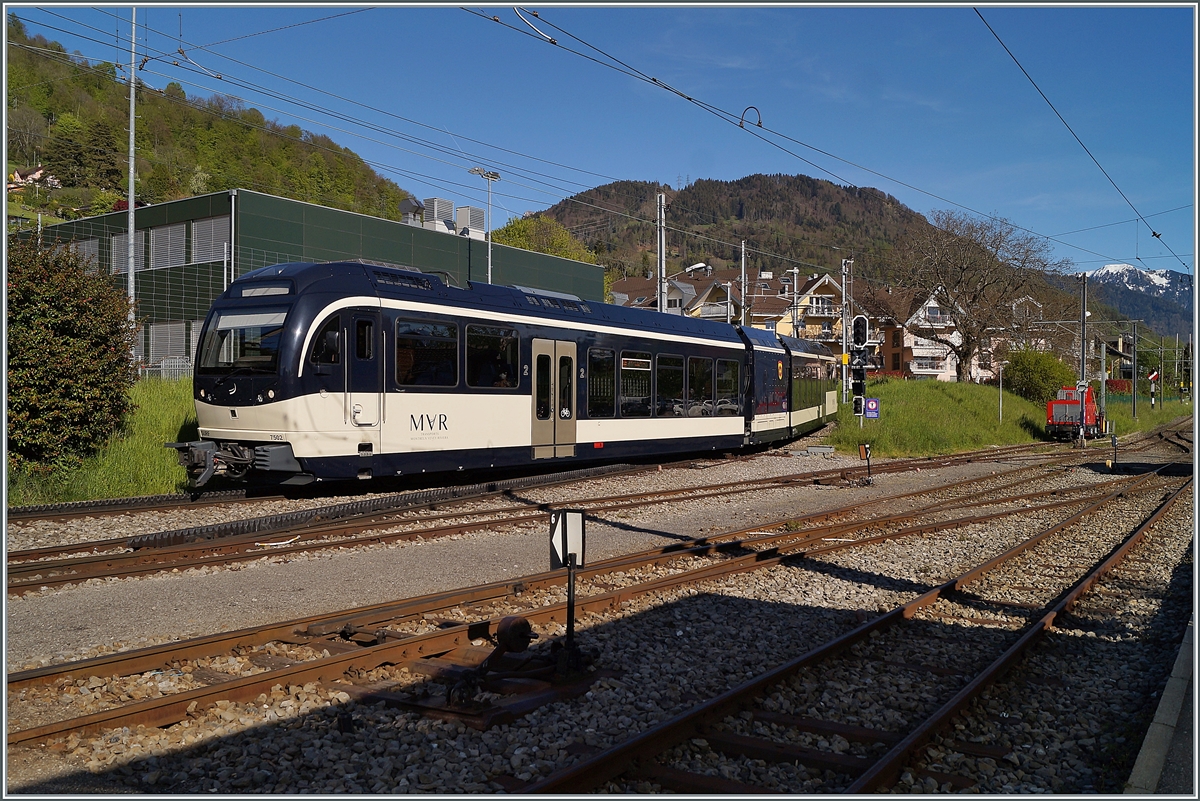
x: 923, y: 96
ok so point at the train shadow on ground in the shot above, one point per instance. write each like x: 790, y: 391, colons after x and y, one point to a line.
x: 707, y: 642
x: 1133, y: 468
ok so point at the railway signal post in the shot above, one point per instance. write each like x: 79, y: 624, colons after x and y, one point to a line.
x: 858, y: 366
x: 567, y: 545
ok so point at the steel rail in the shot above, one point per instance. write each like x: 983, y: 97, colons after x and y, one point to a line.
x: 426, y: 603
x: 886, y: 771
x: 173, y: 502
x: 30, y: 576
x: 141, y: 503
x: 170, y: 709
x: 155, y: 656
x: 592, y: 772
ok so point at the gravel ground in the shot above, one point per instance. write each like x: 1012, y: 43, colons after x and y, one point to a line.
x: 58, y: 625
x: 402, y: 753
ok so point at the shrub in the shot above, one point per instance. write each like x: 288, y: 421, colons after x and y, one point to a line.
x: 1036, y: 376
x: 69, y: 363
x: 1119, y: 386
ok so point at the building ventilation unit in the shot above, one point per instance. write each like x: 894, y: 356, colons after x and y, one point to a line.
x: 412, y: 211
x: 471, y: 222
x: 439, y: 215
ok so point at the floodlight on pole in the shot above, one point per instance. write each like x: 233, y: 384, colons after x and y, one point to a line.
x: 489, y: 176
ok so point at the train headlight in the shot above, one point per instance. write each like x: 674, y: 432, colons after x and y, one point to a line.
x: 202, y: 393
x: 259, y: 398
x: 270, y: 393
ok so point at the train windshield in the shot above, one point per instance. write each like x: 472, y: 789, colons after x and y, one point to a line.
x: 245, y: 340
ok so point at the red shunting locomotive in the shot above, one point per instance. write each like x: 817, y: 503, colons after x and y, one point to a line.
x: 1062, y: 414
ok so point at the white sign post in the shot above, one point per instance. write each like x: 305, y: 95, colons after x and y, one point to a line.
x: 567, y: 545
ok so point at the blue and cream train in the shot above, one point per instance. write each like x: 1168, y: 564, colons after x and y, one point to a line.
x: 348, y: 370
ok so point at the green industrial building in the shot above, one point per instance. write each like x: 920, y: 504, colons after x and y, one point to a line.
x: 187, y: 251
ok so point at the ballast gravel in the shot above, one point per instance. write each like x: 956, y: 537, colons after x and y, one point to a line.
x: 297, y: 740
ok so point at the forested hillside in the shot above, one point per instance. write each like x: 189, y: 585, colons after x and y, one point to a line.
x: 71, y: 116
x: 794, y: 216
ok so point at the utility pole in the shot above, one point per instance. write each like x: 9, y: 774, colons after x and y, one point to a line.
x: 662, y: 252
x: 742, y: 288
x: 130, y: 226
x: 1135, y: 369
x: 1082, y: 388
x: 1104, y: 381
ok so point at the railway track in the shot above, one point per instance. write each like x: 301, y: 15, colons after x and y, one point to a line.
x: 414, y: 631
x: 953, y: 641
x: 429, y: 627
x: 200, y: 499
x: 47, y: 568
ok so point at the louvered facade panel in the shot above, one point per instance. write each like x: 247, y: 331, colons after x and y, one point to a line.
x: 168, y: 246
x: 209, y: 238
x: 120, y: 252
x: 167, y: 339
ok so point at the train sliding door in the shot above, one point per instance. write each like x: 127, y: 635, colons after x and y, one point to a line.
x: 364, y: 377
x: 553, y: 399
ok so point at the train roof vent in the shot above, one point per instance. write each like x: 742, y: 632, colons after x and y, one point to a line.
x: 547, y: 293
x: 404, y: 279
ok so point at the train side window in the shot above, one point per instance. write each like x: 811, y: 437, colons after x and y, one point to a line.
x: 541, y: 389
x: 729, y: 399
x: 635, y: 384
x: 699, y: 387
x: 426, y: 354
x: 492, y: 356
x: 566, y: 387
x: 325, y: 347
x: 668, y: 399
x: 601, y: 383
x: 364, y: 339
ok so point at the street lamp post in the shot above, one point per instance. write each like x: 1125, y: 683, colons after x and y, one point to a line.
x: 489, y: 176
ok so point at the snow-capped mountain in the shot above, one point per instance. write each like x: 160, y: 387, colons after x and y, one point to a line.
x: 1163, y: 298
x: 1159, y: 283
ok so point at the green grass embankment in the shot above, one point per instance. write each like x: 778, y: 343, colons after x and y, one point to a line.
x: 134, y: 462
x: 929, y: 418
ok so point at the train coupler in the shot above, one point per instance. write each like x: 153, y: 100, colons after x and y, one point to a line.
x: 198, y: 458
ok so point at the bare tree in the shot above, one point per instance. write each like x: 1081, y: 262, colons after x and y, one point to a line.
x: 975, y: 270
x: 26, y: 132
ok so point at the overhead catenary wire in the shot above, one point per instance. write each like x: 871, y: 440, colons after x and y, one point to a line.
x: 753, y: 130
x: 439, y: 183
x: 1095, y: 161
x: 472, y: 191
